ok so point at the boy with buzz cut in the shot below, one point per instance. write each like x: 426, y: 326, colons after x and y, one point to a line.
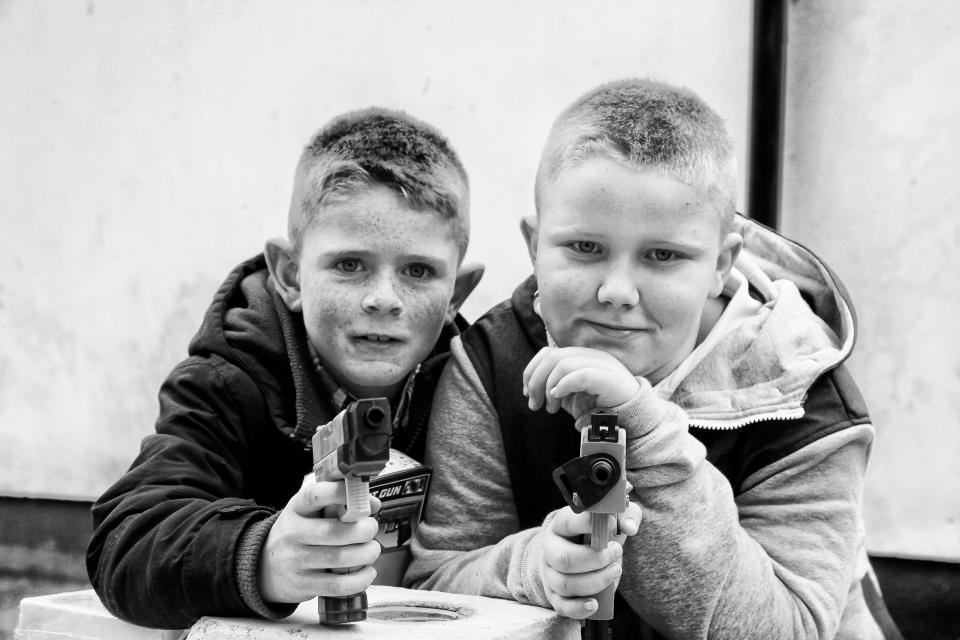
x: 361, y: 300
x: 719, y: 345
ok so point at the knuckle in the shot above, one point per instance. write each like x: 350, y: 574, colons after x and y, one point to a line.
x: 614, y: 553
x: 322, y: 532
x: 338, y: 585
x: 371, y: 551
x: 338, y: 557
x: 333, y: 587
x: 369, y: 528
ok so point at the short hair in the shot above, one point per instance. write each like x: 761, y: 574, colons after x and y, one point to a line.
x: 377, y: 146
x: 645, y: 124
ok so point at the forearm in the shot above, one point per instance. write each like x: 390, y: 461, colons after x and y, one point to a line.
x: 469, y: 540
x: 163, y: 548
x: 164, y: 556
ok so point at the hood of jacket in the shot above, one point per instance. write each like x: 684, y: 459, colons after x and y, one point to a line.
x: 762, y: 370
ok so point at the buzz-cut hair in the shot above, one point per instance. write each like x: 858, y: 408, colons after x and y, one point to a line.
x: 644, y: 124
x: 376, y: 146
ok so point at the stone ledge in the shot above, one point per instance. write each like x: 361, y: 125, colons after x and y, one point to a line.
x: 395, y: 613
x: 481, y: 619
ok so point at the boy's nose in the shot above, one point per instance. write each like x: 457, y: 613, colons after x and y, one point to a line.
x: 619, y: 290
x: 382, y: 296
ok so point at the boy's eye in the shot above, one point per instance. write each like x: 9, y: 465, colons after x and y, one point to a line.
x: 585, y: 246
x: 349, y: 265
x: 663, y: 255
x: 418, y: 271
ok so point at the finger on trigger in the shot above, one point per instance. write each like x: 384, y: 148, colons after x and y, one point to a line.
x: 568, y: 524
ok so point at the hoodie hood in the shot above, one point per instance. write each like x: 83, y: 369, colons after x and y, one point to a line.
x: 249, y: 326
x: 763, y: 369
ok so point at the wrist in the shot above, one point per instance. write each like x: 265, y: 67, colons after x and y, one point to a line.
x: 247, y: 568
x: 639, y: 414
x: 531, y: 569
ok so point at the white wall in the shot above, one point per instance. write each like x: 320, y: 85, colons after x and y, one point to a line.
x: 871, y: 183
x: 149, y: 146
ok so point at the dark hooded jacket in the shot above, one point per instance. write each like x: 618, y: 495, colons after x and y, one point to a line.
x: 230, y: 449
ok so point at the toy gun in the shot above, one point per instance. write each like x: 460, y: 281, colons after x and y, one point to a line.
x: 596, y: 482
x: 352, y: 447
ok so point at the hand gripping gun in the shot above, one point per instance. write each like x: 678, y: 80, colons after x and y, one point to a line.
x: 352, y: 447
x: 596, y: 482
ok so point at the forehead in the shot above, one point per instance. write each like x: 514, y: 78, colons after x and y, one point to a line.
x: 600, y: 190
x: 376, y: 218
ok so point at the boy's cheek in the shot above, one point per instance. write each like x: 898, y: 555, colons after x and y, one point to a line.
x: 429, y: 308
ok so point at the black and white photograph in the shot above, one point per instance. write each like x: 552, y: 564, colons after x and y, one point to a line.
x: 532, y: 320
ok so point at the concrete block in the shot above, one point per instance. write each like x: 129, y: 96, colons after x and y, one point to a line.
x: 408, y: 614
x: 78, y: 615
x: 393, y: 613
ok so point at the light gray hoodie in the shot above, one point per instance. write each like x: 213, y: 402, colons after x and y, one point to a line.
x: 779, y: 556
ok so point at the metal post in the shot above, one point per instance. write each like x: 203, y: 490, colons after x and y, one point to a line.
x: 766, y: 110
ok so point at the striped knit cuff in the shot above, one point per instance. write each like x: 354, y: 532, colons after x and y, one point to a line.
x: 638, y: 415
x: 247, y: 562
x: 532, y: 563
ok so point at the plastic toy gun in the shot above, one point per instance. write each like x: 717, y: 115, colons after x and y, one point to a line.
x: 353, y: 447
x: 595, y: 482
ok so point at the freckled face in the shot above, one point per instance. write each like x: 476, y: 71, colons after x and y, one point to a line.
x: 376, y: 278
x: 625, y: 261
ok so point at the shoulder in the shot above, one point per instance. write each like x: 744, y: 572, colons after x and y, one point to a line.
x: 835, y: 399
x: 833, y: 404
x: 507, y: 333
x: 211, y: 386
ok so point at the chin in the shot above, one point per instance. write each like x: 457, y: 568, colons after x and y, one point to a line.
x: 388, y: 378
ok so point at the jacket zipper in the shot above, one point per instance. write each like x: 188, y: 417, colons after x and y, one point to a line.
x: 728, y: 425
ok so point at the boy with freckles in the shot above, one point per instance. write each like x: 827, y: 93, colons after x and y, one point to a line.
x: 360, y: 300
x: 720, y: 346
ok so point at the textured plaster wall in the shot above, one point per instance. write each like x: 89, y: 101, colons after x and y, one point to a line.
x: 871, y: 183
x: 147, y: 147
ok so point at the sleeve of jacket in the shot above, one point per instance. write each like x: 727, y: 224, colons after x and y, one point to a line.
x: 706, y: 563
x: 469, y: 540
x: 163, y: 550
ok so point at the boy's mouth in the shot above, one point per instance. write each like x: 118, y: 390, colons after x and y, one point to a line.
x: 376, y: 338
x: 616, y: 330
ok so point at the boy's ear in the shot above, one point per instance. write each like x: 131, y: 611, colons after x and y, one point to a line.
x: 286, y: 275
x: 468, y: 277
x: 530, y: 228
x: 729, y: 250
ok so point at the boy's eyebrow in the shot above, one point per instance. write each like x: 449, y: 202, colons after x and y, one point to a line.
x: 676, y: 240
x: 366, y: 253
